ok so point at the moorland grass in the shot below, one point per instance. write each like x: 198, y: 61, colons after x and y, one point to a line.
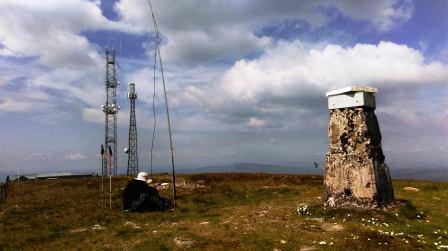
x: 230, y: 211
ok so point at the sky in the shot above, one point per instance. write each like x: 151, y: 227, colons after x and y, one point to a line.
x: 246, y: 79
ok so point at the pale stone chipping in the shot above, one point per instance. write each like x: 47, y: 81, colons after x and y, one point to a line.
x: 355, y: 171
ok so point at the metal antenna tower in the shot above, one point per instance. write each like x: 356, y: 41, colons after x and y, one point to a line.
x: 110, y: 110
x: 132, y: 150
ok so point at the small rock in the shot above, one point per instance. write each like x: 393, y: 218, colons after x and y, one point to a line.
x: 283, y: 242
x: 329, y: 227
x: 262, y: 213
x: 131, y: 225
x: 98, y: 228
x: 411, y: 189
x: 204, y: 223
x: 183, y: 242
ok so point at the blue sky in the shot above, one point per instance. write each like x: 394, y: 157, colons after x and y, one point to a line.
x: 246, y: 79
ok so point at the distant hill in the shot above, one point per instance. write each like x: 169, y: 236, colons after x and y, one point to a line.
x: 253, y: 168
x: 439, y: 174
x: 436, y: 174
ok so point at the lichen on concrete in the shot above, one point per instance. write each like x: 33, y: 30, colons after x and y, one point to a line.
x: 355, y: 171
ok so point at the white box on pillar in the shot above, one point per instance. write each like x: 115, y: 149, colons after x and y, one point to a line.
x: 352, y: 96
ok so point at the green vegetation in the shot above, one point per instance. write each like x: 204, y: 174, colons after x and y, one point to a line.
x: 225, y: 211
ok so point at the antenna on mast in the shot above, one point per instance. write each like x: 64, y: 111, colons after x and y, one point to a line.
x: 132, y: 143
x: 110, y: 110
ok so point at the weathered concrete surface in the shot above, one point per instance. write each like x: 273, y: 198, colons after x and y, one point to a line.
x: 355, y: 172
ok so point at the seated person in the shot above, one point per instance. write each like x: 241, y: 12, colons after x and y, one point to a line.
x: 138, y: 196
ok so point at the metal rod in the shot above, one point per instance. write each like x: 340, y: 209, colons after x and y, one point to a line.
x: 102, y: 178
x: 110, y: 178
x: 110, y: 191
x: 154, y: 110
x: 166, y: 106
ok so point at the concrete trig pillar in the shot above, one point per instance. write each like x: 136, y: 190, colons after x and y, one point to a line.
x: 355, y: 171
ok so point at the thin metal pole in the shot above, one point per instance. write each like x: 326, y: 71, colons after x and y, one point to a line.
x: 102, y: 183
x: 110, y: 191
x: 110, y: 178
x: 153, y: 111
x: 166, y: 106
x: 102, y: 178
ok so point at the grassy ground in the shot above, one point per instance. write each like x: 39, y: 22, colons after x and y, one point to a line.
x: 231, y: 211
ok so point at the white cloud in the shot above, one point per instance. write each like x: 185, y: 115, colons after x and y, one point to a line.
x: 204, y: 31
x: 50, y: 30
x: 64, y: 63
x: 293, y: 75
x: 75, y: 157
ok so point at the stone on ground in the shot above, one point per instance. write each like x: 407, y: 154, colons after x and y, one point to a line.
x: 183, y: 242
x: 411, y: 189
x: 131, y: 224
x: 330, y: 227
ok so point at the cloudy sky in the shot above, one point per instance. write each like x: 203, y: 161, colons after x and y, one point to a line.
x: 246, y: 79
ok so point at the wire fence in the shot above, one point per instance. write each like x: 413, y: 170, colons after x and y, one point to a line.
x: 4, y: 189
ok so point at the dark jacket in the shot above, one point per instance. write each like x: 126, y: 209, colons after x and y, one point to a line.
x: 136, y: 193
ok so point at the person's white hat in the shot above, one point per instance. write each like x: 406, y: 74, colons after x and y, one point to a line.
x: 143, y: 176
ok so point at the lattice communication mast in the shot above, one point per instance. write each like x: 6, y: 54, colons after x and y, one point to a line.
x: 132, y: 146
x: 110, y: 110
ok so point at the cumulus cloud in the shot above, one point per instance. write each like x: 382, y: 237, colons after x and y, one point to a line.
x: 291, y: 74
x: 203, y: 31
x: 50, y: 30
x: 49, y: 34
